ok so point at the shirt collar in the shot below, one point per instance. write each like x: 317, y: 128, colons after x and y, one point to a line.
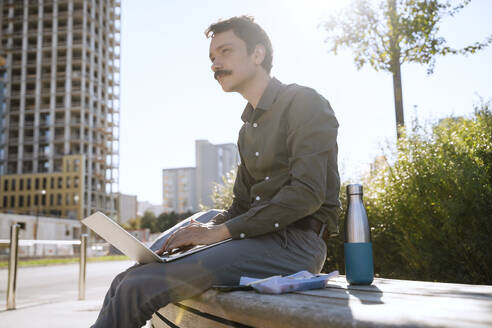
x: 267, y: 99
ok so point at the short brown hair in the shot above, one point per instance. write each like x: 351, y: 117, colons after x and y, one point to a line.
x: 247, y: 30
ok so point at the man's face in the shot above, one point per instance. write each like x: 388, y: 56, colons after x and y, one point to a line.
x: 232, y: 66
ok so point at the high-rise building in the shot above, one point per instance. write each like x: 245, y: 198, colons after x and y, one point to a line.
x: 186, y: 188
x: 61, y: 105
x: 212, y: 163
x: 179, y: 189
x: 126, y: 206
x: 2, y: 88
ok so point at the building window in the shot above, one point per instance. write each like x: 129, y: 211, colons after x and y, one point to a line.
x: 76, y: 182
x: 36, y: 184
x: 36, y: 200
x: 12, y: 185
x: 5, y: 201
x: 43, y: 199
x: 6, y: 185
x: 68, y: 182
x: 52, y: 183
x: 12, y: 201
x: 21, y: 201
x: 44, y: 183
x: 52, y: 199
x: 21, y: 184
x: 28, y: 182
x: 60, y: 182
x: 28, y: 201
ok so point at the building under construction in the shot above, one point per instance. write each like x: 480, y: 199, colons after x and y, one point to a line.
x: 59, y: 145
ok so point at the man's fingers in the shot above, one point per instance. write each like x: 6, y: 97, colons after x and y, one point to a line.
x: 194, y: 222
x: 170, y: 242
x: 164, y: 247
x: 183, y: 239
x: 180, y: 238
x: 176, y: 243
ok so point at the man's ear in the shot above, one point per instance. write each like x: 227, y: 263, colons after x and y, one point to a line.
x: 259, y: 54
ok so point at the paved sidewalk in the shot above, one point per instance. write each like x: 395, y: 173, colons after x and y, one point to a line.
x: 51, y: 301
x: 73, y: 314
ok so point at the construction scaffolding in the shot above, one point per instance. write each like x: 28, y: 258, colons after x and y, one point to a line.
x: 62, y: 92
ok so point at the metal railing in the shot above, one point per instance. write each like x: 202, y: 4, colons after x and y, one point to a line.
x: 14, y: 243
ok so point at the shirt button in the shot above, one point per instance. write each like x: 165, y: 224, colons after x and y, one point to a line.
x: 276, y: 225
x: 242, y: 235
x: 257, y: 154
x: 255, y: 125
x: 258, y: 198
x: 267, y: 178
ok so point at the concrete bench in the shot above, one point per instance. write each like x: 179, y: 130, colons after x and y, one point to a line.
x: 386, y: 303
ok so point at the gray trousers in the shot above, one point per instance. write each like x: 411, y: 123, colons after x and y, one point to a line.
x: 141, y: 290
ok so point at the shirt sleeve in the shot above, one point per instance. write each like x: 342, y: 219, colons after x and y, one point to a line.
x: 311, y: 141
x: 240, y: 200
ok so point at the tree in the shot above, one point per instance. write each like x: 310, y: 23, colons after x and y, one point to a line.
x: 168, y: 220
x: 132, y: 224
x: 149, y: 221
x: 396, y: 32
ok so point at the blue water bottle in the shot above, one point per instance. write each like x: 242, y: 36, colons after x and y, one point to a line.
x: 359, y: 267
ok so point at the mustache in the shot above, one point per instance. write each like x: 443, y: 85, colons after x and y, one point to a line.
x: 222, y: 72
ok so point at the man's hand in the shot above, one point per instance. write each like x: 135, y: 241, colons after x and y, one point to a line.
x: 195, y: 234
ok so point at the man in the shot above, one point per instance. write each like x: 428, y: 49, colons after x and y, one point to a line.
x: 285, y: 193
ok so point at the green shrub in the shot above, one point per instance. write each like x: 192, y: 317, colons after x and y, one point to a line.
x: 431, y: 211
x: 222, y: 192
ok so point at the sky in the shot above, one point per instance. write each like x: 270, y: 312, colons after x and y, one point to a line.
x: 169, y: 97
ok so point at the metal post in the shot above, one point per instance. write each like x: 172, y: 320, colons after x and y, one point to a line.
x: 14, y: 247
x: 82, y: 266
x: 35, y: 230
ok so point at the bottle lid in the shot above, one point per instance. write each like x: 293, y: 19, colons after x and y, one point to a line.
x: 354, y: 189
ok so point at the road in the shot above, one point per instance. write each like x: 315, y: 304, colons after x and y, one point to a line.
x: 57, y: 283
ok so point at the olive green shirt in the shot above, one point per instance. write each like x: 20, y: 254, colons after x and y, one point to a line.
x: 288, y: 168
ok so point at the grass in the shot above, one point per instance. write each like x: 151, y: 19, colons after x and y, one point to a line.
x: 47, y: 261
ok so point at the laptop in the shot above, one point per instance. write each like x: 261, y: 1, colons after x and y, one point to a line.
x: 114, y: 234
